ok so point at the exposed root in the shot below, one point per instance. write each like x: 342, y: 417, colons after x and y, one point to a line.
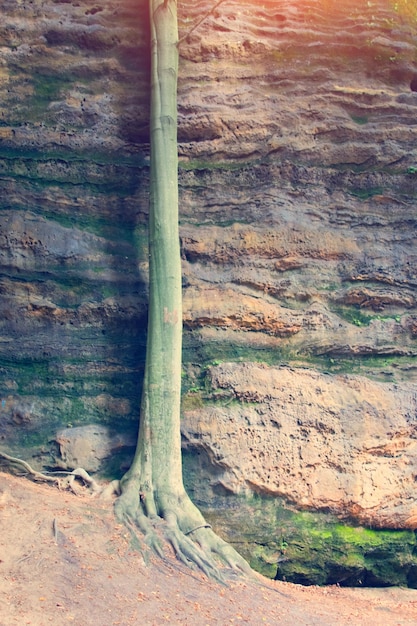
x: 155, y: 521
x: 11, y: 460
x: 63, y: 480
x: 181, y: 526
x: 68, y: 482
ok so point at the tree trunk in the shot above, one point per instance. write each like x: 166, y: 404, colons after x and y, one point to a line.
x: 153, y: 489
x: 158, y: 456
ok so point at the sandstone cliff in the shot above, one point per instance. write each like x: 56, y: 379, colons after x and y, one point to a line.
x: 298, y: 179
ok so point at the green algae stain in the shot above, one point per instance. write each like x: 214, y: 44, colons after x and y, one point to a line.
x: 360, y: 119
x: 313, y: 548
x: 48, y: 88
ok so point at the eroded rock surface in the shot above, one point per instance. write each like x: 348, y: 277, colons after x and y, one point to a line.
x: 298, y: 134
x: 89, y: 447
x: 342, y: 443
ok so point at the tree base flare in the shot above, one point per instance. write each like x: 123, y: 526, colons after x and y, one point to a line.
x: 154, y: 520
x: 167, y: 520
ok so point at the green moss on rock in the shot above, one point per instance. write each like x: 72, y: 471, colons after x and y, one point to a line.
x: 314, y: 548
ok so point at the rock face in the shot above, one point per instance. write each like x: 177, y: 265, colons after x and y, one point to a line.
x: 89, y: 447
x: 298, y: 178
x: 341, y: 443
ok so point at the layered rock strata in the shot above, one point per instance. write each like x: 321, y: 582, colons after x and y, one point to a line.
x: 297, y: 131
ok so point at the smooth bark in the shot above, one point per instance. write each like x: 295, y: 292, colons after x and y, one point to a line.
x: 152, y: 490
x: 158, y: 455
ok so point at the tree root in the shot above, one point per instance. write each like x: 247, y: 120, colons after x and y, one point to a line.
x: 177, y: 522
x: 66, y: 482
x: 11, y: 460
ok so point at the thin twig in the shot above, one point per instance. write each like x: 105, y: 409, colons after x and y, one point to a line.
x: 55, y: 529
x: 199, y: 22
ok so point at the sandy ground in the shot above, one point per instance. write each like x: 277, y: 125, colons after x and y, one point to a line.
x: 64, y: 559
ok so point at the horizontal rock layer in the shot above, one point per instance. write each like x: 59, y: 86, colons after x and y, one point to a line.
x: 297, y: 135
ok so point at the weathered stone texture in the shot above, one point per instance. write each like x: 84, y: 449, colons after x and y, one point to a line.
x: 344, y: 444
x: 298, y: 165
